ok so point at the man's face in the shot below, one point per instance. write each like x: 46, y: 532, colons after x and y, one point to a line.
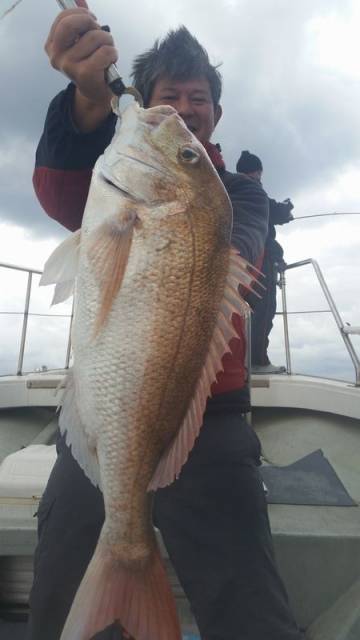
x: 193, y: 102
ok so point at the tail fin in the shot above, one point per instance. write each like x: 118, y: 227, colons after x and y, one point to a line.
x: 140, y: 600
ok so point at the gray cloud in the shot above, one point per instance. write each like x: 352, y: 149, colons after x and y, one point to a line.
x: 278, y: 102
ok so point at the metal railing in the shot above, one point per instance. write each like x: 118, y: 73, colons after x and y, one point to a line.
x: 344, y: 330
x: 26, y: 313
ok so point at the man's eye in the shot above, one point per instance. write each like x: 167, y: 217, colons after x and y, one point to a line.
x: 168, y: 98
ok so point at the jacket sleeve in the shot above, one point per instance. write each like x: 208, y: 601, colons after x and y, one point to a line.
x: 250, y: 216
x: 64, y: 161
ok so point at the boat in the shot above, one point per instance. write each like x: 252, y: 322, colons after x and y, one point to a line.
x: 310, y: 432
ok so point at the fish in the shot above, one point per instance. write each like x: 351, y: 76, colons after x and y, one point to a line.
x: 156, y: 282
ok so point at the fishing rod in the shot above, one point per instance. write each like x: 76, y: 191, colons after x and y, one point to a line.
x: 323, y: 215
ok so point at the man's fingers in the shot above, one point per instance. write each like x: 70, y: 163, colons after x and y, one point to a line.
x: 89, y: 43
x: 100, y: 60
x: 68, y: 32
x: 65, y: 14
x: 82, y: 3
x: 104, y: 57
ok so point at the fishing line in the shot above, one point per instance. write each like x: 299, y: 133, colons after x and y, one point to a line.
x: 10, y: 9
x: 323, y: 215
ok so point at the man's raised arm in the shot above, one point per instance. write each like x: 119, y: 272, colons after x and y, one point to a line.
x: 79, y: 123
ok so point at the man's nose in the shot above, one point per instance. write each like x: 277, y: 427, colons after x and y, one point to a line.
x: 184, y: 106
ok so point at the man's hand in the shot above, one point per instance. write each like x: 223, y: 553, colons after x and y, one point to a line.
x: 79, y: 48
x: 288, y: 202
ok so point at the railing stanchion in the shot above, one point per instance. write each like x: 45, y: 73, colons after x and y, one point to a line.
x: 68, y: 350
x: 282, y: 285
x: 24, y: 327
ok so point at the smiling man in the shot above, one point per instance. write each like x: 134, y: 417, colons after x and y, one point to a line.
x: 193, y: 101
x: 213, y: 519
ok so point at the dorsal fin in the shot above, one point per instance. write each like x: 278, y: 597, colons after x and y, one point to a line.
x: 175, y: 456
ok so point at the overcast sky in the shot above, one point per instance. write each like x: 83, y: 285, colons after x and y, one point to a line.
x: 291, y: 95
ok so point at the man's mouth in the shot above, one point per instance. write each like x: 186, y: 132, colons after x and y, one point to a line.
x: 191, y: 127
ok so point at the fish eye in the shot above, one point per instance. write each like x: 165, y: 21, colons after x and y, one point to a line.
x: 189, y: 155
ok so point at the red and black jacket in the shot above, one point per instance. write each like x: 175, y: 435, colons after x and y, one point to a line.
x: 64, y: 161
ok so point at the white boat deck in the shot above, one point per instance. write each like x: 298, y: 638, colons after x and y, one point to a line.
x: 294, y: 416
x: 306, y: 392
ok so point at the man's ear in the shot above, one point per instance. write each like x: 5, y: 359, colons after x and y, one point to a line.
x: 217, y: 114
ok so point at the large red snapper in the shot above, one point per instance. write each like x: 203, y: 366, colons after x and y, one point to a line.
x: 156, y: 285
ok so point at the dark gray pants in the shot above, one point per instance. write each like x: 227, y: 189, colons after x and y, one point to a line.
x: 215, y: 527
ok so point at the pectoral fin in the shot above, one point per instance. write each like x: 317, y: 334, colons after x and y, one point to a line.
x: 108, y: 254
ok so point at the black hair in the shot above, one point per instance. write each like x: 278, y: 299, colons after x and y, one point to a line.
x: 248, y: 163
x: 181, y: 57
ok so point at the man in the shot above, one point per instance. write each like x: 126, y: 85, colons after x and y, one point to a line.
x: 214, y: 518
x: 264, y: 308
